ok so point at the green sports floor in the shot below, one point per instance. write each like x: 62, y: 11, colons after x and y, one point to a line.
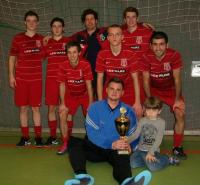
x: 41, y: 166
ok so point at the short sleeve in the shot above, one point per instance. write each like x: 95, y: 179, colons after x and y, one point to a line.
x: 14, y: 50
x: 100, y: 63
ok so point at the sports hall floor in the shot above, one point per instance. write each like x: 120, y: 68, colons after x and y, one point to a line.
x: 41, y: 166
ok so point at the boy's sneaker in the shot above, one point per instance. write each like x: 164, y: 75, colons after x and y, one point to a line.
x: 51, y: 141
x: 24, y: 141
x: 81, y: 179
x: 142, y: 178
x: 174, y: 161
x: 62, y: 150
x: 179, y: 153
x: 38, y: 142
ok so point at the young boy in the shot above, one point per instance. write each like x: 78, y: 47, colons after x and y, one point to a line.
x: 151, y: 130
x: 75, y: 77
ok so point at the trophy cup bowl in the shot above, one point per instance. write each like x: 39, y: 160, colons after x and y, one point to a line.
x: 122, y: 124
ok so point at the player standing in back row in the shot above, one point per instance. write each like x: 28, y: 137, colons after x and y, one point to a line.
x: 25, y: 76
x: 136, y: 37
x: 55, y: 54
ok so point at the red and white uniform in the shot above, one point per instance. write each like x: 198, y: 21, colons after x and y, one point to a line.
x: 55, y: 54
x: 138, y: 41
x: 76, y: 90
x: 29, y: 52
x: 120, y: 66
x: 161, y: 74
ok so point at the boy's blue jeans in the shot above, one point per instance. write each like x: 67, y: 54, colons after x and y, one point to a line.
x: 138, y: 159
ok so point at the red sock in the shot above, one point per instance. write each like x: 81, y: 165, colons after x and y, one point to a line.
x: 52, y: 127
x: 65, y: 140
x: 178, y: 139
x: 25, y: 131
x: 38, y: 131
x: 70, y: 126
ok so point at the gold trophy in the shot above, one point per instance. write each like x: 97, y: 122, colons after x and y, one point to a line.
x: 122, y: 124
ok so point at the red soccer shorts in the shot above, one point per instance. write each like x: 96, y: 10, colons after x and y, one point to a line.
x: 51, y: 92
x: 28, y: 93
x: 166, y: 96
x: 73, y: 102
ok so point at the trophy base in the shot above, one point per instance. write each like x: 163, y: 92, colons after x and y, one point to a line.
x: 123, y: 152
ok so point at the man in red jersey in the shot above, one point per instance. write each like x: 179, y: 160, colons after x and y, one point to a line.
x: 116, y: 61
x: 75, y: 77
x: 161, y: 68
x: 136, y: 37
x: 55, y: 54
x: 25, y: 76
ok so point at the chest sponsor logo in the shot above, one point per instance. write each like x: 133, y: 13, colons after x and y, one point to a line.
x: 139, y: 40
x: 167, y: 66
x: 54, y: 53
x: 123, y: 62
x: 76, y: 81
x: 38, y: 43
x: 136, y: 47
x: 161, y: 75
x: 32, y: 50
x: 119, y: 71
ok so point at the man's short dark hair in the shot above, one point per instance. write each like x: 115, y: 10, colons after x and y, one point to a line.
x: 73, y: 44
x: 159, y: 35
x: 57, y: 19
x: 116, y: 80
x: 88, y: 12
x: 130, y: 9
x: 153, y: 103
x: 31, y: 13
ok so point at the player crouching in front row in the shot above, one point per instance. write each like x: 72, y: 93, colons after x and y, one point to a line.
x: 75, y: 79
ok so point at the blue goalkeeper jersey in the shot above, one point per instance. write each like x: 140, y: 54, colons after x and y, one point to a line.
x: 100, y: 123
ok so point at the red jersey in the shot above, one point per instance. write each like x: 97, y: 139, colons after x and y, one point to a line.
x: 161, y: 71
x: 29, y: 52
x: 56, y: 54
x: 120, y: 66
x: 138, y: 40
x: 75, y: 77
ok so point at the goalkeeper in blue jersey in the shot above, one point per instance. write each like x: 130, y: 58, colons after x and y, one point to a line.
x: 102, y: 142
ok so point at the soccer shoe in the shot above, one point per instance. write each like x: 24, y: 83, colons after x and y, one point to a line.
x: 174, y: 161
x: 63, y: 149
x: 81, y: 179
x: 38, y: 142
x: 142, y: 178
x: 24, y: 142
x: 179, y: 153
x: 51, y: 141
